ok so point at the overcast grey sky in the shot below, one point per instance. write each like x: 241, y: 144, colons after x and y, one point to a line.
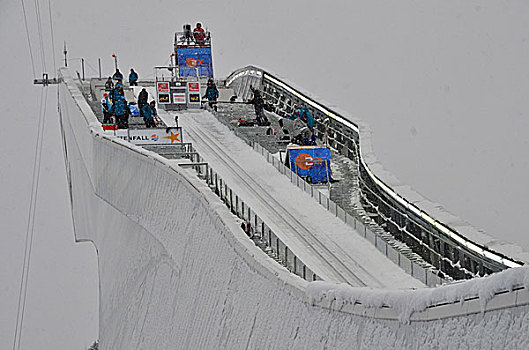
x: 442, y: 84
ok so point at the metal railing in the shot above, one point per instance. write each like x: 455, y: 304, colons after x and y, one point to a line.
x: 407, y: 263
x: 255, y: 227
x: 436, y: 243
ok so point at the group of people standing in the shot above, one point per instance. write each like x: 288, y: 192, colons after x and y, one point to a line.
x: 114, y: 104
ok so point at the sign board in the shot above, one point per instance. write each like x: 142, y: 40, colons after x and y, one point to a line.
x: 155, y: 136
x: 310, y: 162
x: 193, y: 94
x: 162, y: 86
x: 179, y: 98
x: 195, y: 60
x: 193, y: 86
x: 162, y: 91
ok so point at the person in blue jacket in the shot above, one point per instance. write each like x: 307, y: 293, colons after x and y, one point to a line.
x: 149, y: 112
x: 118, y: 110
x: 304, y: 114
x: 133, y: 78
x: 307, y: 117
x: 212, y: 93
x: 117, y: 75
x: 117, y: 93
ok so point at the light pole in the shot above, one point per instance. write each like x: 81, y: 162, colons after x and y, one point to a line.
x: 115, y: 60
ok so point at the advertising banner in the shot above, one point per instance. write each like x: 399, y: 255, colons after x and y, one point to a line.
x: 193, y: 94
x: 311, y: 162
x: 191, y: 59
x: 162, y: 91
x: 149, y: 136
x: 179, y: 98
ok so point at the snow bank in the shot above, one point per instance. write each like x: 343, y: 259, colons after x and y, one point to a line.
x: 176, y: 271
x: 406, y: 303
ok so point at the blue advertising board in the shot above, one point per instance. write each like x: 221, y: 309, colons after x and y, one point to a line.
x: 311, y: 162
x: 190, y: 58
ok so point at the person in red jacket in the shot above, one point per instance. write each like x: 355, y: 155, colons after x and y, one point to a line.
x: 199, y: 34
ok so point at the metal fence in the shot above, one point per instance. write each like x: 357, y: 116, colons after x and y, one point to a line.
x: 260, y: 233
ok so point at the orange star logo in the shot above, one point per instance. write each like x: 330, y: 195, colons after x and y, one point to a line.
x: 172, y: 137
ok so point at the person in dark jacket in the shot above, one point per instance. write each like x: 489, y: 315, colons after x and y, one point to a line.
x: 109, y: 84
x: 118, y: 110
x: 142, y: 100
x: 117, y: 75
x: 212, y: 93
x: 149, y: 111
x: 105, y: 108
x: 133, y: 78
x: 258, y: 103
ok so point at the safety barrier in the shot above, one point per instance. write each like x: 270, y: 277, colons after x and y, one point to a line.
x: 437, y: 243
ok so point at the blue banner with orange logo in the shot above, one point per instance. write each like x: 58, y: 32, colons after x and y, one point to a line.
x: 311, y: 163
x: 192, y: 58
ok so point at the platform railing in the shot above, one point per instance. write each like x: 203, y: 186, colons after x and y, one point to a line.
x: 438, y: 244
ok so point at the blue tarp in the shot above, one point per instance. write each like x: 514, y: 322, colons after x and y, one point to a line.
x: 134, y: 110
x: 191, y: 57
x: 312, y: 163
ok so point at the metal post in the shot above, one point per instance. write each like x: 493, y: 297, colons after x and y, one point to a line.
x: 115, y: 60
x: 99, y: 62
x: 328, y: 180
x: 65, y: 52
x: 173, y: 64
x: 82, y: 66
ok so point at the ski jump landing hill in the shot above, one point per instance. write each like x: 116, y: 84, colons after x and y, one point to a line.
x: 177, y: 272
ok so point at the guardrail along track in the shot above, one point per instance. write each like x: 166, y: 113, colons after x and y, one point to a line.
x: 438, y: 244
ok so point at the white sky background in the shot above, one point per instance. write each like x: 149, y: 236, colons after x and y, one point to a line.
x: 443, y: 85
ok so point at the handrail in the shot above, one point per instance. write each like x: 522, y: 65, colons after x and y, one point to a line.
x: 490, y: 260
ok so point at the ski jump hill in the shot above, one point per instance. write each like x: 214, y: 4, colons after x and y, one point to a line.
x: 177, y: 270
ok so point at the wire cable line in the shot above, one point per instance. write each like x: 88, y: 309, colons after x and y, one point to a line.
x: 29, y: 40
x: 52, y: 39
x: 41, y: 40
x: 31, y: 221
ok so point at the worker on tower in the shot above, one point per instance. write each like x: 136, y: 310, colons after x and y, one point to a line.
x: 199, y: 34
x: 117, y: 75
x: 133, y: 78
x: 258, y: 103
x: 212, y: 93
x: 105, y: 108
